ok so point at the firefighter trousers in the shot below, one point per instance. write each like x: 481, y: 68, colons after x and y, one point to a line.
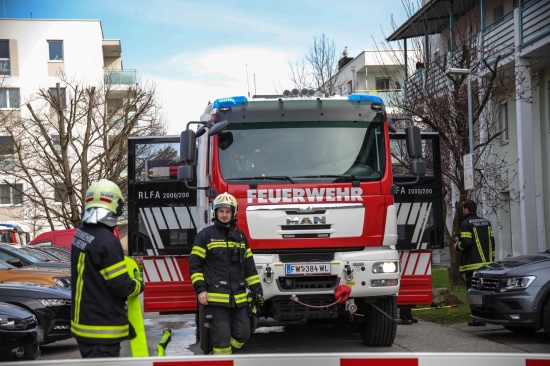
x: 230, y: 328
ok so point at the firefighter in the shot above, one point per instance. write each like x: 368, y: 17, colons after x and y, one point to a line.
x: 221, y: 268
x: 100, y: 280
x: 476, y: 244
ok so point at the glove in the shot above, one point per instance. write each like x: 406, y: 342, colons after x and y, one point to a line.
x: 260, y: 300
x: 137, y: 277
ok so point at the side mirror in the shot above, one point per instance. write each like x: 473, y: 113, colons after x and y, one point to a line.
x: 414, y: 143
x: 185, y: 173
x: 188, y: 146
x: 418, y: 167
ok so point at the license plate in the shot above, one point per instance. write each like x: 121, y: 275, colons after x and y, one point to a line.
x: 307, y: 268
x: 475, y: 300
x: 40, y: 334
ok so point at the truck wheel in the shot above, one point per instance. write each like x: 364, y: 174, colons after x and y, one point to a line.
x: 205, y: 337
x: 378, y: 329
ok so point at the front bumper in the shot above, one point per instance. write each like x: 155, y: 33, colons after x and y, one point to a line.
x: 514, y: 309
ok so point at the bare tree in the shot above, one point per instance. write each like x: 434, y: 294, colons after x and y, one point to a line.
x: 74, y: 135
x: 318, y: 69
x: 438, y: 102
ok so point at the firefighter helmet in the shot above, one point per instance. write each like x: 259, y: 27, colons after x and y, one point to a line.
x: 225, y: 200
x: 105, y: 194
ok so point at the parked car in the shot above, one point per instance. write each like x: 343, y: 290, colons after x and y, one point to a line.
x: 41, y: 256
x: 51, y: 252
x: 47, y: 276
x: 63, y: 238
x: 513, y: 292
x: 19, y: 258
x: 50, y: 304
x: 18, y: 333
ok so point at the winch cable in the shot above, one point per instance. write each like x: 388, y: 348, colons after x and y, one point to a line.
x: 294, y: 298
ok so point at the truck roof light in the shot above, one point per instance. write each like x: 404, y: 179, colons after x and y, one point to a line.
x: 364, y: 97
x: 229, y: 102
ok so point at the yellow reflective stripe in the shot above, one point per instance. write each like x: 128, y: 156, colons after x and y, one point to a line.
x: 473, y: 266
x: 137, y: 290
x: 222, y: 351
x: 114, y: 270
x: 233, y: 244
x: 466, y: 234
x: 240, y: 298
x: 216, y: 244
x: 236, y: 343
x: 199, y: 276
x: 217, y: 297
x: 100, y: 331
x: 248, y: 253
x: 252, y: 280
x: 199, y: 251
x: 479, y: 247
x: 79, y: 285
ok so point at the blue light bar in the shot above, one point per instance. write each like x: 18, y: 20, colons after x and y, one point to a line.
x: 364, y: 97
x: 229, y: 102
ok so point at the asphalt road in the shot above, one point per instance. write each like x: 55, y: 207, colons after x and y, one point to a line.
x: 299, y: 337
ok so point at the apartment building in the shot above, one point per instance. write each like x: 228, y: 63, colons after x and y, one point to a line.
x: 515, y: 34
x: 34, y: 53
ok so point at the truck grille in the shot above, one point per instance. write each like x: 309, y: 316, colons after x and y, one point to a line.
x: 306, y: 257
x: 305, y: 227
x: 288, y: 310
x: 481, y: 283
x: 308, y: 282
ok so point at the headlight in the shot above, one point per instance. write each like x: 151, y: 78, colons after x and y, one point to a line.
x: 54, y: 302
x: 384, y: 267
x: 63, y: 282
x: 8, y: 323
x: 516, y: 283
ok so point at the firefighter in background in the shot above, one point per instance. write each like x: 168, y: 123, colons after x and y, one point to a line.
x: 476, y: 244
x: 100, y: 280
x: 221, y: 268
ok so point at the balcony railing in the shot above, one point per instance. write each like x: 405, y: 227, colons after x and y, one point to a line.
x: 497, y: 39
x: 125, y: 77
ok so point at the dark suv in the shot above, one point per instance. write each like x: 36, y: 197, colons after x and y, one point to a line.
x: 513, y: 292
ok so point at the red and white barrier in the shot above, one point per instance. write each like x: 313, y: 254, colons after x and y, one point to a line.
x: 317, y: 359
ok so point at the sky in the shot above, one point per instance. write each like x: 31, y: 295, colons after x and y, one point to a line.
x: 199, y: 51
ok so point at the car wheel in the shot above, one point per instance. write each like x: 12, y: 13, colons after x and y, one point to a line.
x: 521, y: 330
x: 545, y: 316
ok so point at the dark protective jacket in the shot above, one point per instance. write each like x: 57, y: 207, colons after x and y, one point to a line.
x: 100, y: 286
x: 221, y: 264
x: 477, y: 243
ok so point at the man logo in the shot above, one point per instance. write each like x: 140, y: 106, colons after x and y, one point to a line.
x: 316, y: 220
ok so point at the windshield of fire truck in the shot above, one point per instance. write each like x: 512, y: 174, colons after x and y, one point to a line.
x: 303, y: 151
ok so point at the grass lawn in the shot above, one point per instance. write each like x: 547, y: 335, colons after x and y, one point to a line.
x: 460, y: 314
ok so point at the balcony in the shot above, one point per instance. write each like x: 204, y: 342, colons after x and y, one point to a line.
x: 119, y: 83
x: 532, y: 22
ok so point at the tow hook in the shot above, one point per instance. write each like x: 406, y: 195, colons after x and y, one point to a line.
x: 348, y: 273
x: 268, y: 275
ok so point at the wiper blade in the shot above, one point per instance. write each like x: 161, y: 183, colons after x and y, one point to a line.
x: 266, y: 177
x: 349, y: 176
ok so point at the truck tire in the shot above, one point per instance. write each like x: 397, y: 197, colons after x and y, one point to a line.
x: 205, y: 337
x: 378, y: 329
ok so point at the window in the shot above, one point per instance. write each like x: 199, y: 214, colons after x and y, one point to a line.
x: 7, y: 162
x: 5, y: 57
x: 503, y: 123
x: 498, y: 12
x: 56, y: 142
x: 11, y: 195
x: 60, y: 193
x: 382, y: 83
x: 350, y: 87
x: 56, y: 50
x: 53, y: 92
x: 9, y: 98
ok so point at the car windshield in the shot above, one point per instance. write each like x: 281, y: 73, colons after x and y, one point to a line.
x: 302, y: 151
x: 9, y: 253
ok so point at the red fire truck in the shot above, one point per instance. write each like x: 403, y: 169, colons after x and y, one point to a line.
x: 314, y: 184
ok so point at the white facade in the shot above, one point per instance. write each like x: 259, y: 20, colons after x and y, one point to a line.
x: 34, y: 52
x: 519, y: 31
